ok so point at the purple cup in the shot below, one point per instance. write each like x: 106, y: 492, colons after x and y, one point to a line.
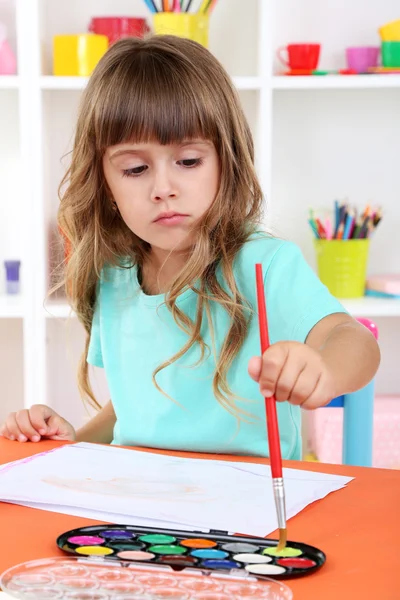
x: 361, y: 58
x: 12, y: 276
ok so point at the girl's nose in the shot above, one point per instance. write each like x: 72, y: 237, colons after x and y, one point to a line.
x: 163, y: 188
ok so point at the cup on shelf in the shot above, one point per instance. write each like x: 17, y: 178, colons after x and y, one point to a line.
x: 391, y: 54
x: 342, y: 266
x: 116, y: 28
x: 390, y: 32
x: 362, y: 58
x: 299, y: 56
x: 77, y: 55
x: 8, y: 62
x: 12, y: 268
x: 192, y: 26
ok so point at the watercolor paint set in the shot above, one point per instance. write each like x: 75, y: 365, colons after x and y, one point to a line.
x: 183, y: 550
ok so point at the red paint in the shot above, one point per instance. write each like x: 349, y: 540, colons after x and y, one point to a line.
x: 296, y: 563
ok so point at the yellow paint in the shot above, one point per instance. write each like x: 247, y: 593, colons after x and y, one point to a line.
x: 94, y: 550
x: 284, y: 553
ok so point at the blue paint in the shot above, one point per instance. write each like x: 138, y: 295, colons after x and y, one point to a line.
x: 209, y: 553
x: 220, y: 564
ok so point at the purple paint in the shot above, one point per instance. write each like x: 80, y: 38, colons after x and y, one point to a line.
x: 117, y: 534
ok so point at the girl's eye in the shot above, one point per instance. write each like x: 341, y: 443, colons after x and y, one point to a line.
x: 189, y: 163
x: 135, y: 171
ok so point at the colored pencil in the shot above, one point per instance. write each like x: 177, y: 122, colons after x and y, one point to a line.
x: 151, y: 6
x: 212, y: 6
x: 272, y: 420
x: 203, y: 6
x: 346, y: 224
x: 176, y: 6
x: 208, y: 6
x: 165, y: 5
x: 188, y: 5
x: 328, y: 228
x: 337, y: 217
x: 321, y: 229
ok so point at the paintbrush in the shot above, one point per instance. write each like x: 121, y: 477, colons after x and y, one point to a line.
x: 272, y: 420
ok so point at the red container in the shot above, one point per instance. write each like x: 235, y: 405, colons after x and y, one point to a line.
x: 300, y: 56
x: 116, y: 28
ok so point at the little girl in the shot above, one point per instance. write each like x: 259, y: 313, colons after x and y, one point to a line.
x: 162, y: 211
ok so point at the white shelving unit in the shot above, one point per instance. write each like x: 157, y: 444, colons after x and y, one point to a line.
x: 275, y: 105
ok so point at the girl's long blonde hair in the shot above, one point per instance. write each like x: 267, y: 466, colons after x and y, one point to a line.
x: 163, y: 89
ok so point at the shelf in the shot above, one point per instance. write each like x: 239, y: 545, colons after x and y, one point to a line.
x: 373, y: 307
x: 326, y: 82
x: 50, y: 82
x: 9, y: 82
x: 11, y: 307
x: 339, y: 82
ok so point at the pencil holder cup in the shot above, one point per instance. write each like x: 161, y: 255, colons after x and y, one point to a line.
x: 77, y: 55
x: 342, y: 266
x: 192, y: 26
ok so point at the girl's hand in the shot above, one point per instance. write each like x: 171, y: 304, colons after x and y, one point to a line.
x: 294, y: 372
x: 38, y: 422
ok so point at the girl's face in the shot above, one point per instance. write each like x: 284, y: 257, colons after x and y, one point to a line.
x: 162, y: 191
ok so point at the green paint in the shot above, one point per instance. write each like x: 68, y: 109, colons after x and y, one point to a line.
x: 125, y: 546
x: 285, y: 553
x: 167, y: 550
x: 157, y: 538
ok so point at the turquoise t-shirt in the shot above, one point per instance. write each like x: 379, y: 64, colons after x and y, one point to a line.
x: 133, y: 333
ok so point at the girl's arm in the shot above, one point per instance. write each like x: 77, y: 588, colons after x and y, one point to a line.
x: 348, y: 349
x: 340, y: 356
x: 100, y: 428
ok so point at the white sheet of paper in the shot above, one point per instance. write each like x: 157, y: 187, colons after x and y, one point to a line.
x: 139, y: 488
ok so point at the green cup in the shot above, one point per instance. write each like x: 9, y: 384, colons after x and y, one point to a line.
x: 391, y: 54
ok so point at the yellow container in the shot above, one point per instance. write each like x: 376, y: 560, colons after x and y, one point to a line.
x: 342, y: 266
x: 192, y: 26
x: 390, y: 32
x: 77, y: 54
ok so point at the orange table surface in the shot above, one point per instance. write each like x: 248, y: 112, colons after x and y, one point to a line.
x: 357, y: 527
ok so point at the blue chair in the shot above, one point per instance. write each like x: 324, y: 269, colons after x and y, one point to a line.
x: 358, y: 419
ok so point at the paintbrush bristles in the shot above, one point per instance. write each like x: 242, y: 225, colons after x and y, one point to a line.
x: 282, y: 540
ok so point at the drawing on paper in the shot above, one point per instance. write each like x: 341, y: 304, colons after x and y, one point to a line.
x: 124, y: 487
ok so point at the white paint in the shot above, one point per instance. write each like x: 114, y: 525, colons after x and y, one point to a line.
x: 265, y: 569
x: 252, y: 558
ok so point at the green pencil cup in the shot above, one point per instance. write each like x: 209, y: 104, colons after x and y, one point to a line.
x: 342, y: 266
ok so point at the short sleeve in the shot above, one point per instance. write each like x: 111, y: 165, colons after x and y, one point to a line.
x: 95, y: 355
x: 295, y: 297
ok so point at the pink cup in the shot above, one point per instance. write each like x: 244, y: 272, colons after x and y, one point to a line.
x: 361, y: 58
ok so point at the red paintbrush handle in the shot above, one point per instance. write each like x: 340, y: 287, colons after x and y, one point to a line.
x: 270, y: 403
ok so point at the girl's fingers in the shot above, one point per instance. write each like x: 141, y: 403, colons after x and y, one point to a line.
x: 287, y: 381
x: 27, y: 431
x: 39, y: 416
x: 273, y: 362
x: 304, y: 387
x: 254, y: 368
x: 12, y: 428
x: 319, y: 396
x: 5, y: 433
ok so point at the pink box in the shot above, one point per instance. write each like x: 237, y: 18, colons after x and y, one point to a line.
x: 325, y: 426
